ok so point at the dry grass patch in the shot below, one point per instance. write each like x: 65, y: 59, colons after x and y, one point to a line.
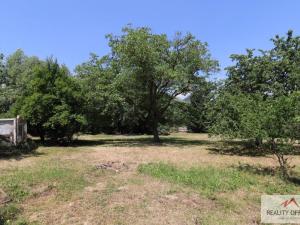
x: 87, y: 183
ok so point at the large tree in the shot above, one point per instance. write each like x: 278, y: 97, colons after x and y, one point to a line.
x: 155, y: 70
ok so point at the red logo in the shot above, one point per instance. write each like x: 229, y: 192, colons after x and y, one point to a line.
x: 288, y: 202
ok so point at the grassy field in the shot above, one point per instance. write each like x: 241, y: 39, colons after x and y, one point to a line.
x: 105, y: 179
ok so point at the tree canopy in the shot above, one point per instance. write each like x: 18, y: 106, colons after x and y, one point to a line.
x: 51, y: 102
x: 260, y: 98
x: 153, y: 70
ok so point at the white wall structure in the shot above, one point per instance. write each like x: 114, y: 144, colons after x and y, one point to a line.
x: 13, y: 130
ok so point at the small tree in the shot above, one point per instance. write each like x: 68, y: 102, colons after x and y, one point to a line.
x: 51, y: 103
x: 274, y: 120
x: 260, y: 98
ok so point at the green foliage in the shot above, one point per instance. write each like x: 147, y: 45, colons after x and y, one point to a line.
x: 176, y: 115
x: 7, y: 99
x: 2, y: 69
x: 260, y: 99
x: 270, y: 73
x: 51, y: 102
x: 198, y: 108
x: 251, y: 116
x: 15, y: 71
x: 104, y: 106
x: 131, y: 90
x: 155, y: 70
x: 43, y: 93
x: 145, y: 72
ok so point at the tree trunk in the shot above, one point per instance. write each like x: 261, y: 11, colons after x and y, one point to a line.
x: 42, y: 137
x: 258, y: 142
x: 284, y: 167
x: 154, y: 111
x: 283, y: 162
x: 156, y: 138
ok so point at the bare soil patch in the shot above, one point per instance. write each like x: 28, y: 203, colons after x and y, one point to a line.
x: 4, y: 198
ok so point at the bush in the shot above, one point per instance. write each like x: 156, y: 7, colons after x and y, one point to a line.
x: 7, y: 149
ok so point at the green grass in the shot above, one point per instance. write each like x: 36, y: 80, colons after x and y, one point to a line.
x: 207, y: 180
x: 210, y: 181
x: 19, y: 183
x: 63, y: 178
x: 8, y: 213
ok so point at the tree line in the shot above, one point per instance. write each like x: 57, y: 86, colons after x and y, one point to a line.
x: 136, y: 88
x: 132, y: 89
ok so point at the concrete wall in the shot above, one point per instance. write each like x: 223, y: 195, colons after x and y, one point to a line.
x: 13, y: 130
x: 6, y: 126
x: 7, y: 130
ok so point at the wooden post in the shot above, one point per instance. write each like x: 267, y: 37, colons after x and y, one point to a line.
x: 17, y: 129
x: 25, y: 131
x: 15, y: 132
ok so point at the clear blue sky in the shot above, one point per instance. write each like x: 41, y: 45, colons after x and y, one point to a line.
x: 71, y: 29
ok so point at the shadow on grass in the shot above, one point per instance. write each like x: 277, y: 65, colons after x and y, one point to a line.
x: 239, y: 148
x: 294, y: 180
x: 128, y: 141
x: 257, y: 169
x: 141, y: 142
x: 245, y: 148
x: 19, y: 155
x: 268, y: 171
